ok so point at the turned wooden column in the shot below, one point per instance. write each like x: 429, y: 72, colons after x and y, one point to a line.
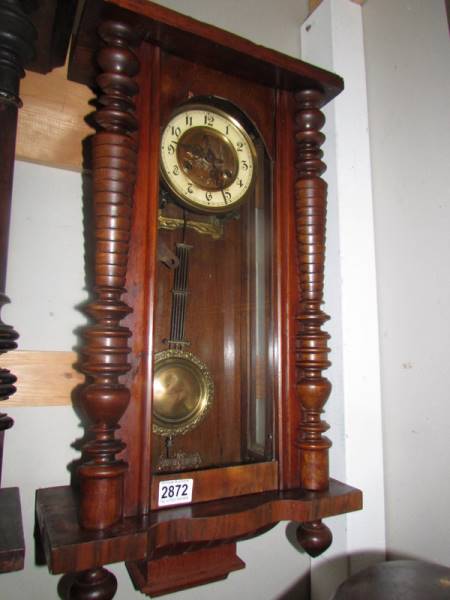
x: 311, y: 348
x: 105, y: 354
x: 17, y: 36
x: 313, y: 389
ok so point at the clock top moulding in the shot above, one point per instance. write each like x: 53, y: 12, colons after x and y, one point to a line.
x: 120, y: 529
x: 199, y: 42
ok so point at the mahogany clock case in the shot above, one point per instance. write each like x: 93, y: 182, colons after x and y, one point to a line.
x: 181, y: 59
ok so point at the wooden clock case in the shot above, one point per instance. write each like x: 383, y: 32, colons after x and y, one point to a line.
x: 149, y: 60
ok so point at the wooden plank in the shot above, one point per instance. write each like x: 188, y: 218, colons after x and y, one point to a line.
x: 12, y: 545
x: 52, y: 125
x: 43, y: 378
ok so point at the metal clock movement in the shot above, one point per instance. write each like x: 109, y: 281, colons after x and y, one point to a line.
x: 205, y: 386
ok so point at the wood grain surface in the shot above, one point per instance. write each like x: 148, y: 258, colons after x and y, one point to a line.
x: 34, y: 369
x: 68, y: 547
x: 52, y: 123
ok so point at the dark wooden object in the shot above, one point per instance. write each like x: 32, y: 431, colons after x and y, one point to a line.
x: 12, y: 548
x: 53, y: 19
x: 16, y: 47
x: 17, y: 37
x: 397, y: 580
x: 170, y: 549
x: 96, y: 584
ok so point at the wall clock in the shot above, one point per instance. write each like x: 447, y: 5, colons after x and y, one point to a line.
x: 207, y: 348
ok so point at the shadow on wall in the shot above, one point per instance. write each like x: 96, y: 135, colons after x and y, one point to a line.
x: 301, y: 589
x: 330, y: 570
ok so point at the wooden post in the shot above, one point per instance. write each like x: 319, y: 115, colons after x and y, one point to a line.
x: 17, y: 36
x: 311, y: 349
x: 313, y: 389
x: 106, y: 346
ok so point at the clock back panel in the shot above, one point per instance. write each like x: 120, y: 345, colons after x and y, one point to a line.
x: 215, y: 314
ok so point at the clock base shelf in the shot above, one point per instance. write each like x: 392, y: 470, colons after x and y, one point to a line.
x: 199, y: 536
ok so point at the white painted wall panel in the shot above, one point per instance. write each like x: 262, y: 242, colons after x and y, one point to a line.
x: 408, y: 56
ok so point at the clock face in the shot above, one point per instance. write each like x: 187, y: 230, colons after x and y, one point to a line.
x: 207, y: 159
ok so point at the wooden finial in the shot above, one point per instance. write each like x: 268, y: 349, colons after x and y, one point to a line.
x: 95, y: 584
x: 314, y: 537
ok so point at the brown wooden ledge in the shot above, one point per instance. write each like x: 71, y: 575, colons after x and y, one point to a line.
x: 69, y: 548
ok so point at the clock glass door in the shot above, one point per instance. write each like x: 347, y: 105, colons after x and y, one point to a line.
x: 213, y: 363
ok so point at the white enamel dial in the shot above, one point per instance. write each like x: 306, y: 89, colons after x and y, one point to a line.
x: 207, y: 159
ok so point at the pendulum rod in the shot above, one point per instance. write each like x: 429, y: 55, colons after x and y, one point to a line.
x: 179, y: 297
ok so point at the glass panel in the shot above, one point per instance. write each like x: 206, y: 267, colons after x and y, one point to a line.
x: 212, y: 389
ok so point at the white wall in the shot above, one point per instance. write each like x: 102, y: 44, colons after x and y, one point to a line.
x: 45, y: 283
x: 408, y: 58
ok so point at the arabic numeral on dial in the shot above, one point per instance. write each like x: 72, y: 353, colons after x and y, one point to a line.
x: 176, y: 170
x: 240, y: 183
x: 176, y: 131
x: 188, y: 121
x: 244, y: 165
x: 240, y: 146
x: 170, y: 149
x: 227, y: 129
x: 227, y: 196
x: 209, y: 196
x: 209, y: 120
x: 190, y: 189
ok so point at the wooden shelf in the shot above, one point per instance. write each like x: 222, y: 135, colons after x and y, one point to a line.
x: 68, y: 547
